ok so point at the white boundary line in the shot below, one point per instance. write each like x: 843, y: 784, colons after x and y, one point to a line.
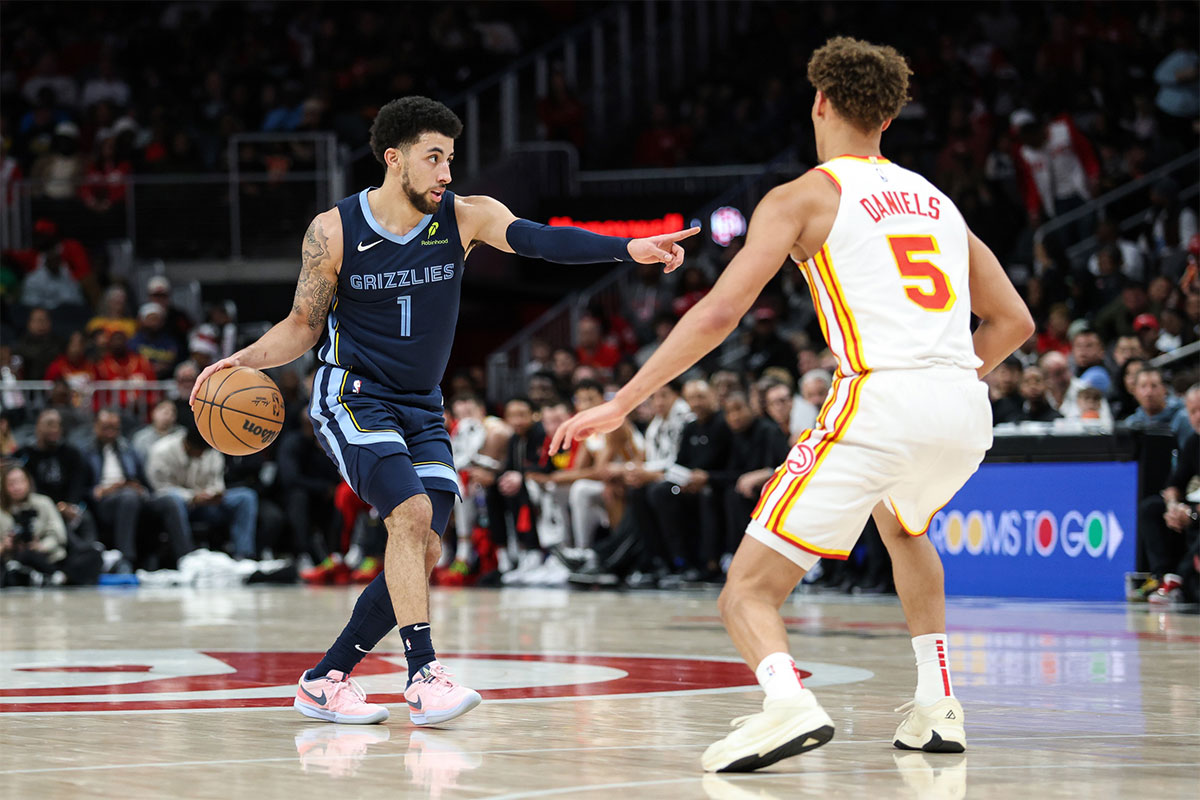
x: 533, y: 751
x: 802, y: 774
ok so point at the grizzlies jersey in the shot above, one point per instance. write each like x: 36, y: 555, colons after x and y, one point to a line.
x: 396, y: 305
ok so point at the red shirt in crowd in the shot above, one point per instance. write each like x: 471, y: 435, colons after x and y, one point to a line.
x: 1047, y: 341
x: 604, y: 356
x: 131, y: 366
x: 71, y: 371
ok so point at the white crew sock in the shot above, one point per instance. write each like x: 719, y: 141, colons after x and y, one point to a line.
x: 778, y: 676
x: 933, y: 668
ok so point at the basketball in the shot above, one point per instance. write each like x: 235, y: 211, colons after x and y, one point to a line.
x: 239, y: 411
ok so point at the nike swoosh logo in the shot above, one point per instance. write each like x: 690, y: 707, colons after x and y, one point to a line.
x: 420, y: 627
x: 368, y: 247
x: 318, y: 700
x: 415, y: 706
x: 359, y: 649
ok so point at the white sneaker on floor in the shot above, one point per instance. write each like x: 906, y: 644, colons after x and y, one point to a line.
x: 551, y: 573
x: 785, y: 727
x: 530, y: 560
x: 938, y: 728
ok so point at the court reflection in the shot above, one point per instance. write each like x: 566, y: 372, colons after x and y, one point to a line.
x: 722, y: 787
x: 338, y: 750
x: 434, y: 761
x: 937, y: 777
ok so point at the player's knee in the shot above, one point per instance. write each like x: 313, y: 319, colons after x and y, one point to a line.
x: 433, y: 550
x: 412, y: 517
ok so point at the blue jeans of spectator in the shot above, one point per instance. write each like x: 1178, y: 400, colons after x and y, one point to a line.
x: 238, y: 507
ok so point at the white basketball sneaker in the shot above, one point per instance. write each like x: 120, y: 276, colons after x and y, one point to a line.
x: 934, y: 729
x: 785, y: 727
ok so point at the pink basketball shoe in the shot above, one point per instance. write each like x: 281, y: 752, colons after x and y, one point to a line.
x: 432, y: 697
x: 334, y: 698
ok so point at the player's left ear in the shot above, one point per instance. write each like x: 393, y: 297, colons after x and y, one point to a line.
x: 887, y: 123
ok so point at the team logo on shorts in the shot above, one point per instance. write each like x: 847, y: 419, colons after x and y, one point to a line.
x: 801, y: 459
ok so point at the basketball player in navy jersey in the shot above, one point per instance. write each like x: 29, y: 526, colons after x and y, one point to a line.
x: 380, y: 279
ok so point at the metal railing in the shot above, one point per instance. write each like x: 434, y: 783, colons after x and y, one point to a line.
x: 134, y: 398
x: 233, y: 214
x: 506, y: 366
x: 1183, y: 166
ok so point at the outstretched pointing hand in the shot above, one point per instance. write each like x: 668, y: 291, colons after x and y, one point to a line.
x: 661, y: 249
x: 603, y: 418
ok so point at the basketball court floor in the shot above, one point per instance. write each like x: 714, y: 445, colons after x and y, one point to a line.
x: 178, y: 693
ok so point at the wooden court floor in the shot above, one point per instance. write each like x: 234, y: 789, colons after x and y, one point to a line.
x: 157, y: 693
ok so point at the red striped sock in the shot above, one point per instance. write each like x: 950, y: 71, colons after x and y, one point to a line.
x: 933, y: 668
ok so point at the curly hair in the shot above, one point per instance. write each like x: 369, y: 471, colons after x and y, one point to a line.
x: 402, y: 121
x: 866, y: 83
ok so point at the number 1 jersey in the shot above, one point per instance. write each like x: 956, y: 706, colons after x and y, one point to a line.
x: 890, y: 285
x: 396, y: 306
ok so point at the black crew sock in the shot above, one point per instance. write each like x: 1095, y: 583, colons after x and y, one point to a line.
x: 418, y: 647
x: 372, y: 619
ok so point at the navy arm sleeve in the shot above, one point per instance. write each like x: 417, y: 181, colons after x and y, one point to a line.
x: 565, y: 245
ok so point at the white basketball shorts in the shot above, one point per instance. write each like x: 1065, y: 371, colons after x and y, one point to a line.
x: 909, y: 438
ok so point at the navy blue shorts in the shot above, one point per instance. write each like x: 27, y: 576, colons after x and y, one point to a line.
x: 388, y: 446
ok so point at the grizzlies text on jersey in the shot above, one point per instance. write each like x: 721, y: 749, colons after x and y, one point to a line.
x: 396, y: 306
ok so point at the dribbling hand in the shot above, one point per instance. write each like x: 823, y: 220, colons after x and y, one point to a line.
x: 216, y: 366
x: 603, y: 418
x: 662, y: 249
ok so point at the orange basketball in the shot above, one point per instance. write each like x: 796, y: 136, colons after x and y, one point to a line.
x: 238, y: 410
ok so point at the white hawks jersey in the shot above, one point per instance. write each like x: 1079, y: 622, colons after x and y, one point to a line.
x: 890, y: 284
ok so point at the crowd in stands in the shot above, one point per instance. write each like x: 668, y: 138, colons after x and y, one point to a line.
x: 1021, y: 112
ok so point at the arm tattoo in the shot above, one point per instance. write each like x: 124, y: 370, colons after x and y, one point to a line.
x: 313, y: 290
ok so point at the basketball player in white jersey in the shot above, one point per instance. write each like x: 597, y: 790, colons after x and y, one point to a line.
x: 895, y: 275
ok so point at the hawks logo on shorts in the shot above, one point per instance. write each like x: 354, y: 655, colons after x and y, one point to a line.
x: 801, y: 459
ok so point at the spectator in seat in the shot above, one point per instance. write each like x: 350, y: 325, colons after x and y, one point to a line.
x: 185, y: 376
x: 308, y: 479
x: 1054, y: 334
x: 73, y: 365
x: 593, y: 351
x: 1123, y: 395
x: 1036, y: 406
x: 478, y: 441
x: 177, y: 322
x: 1004, y: 391
x: 671, y: 508
x: 113, y: 316
x: 190, y: 475
x: 1146, y: 329
x: 153, y: 342
x: 1057, y: 168
x: 1167, y: 522
x: 1087, y: 351
x: 38, y: 347
x: 510, y: 507
x: 1116, y: 318
x: 814, y: 388
x: 119, y: 492
x: 51, y: 284
x: 766, y: 347
x: 563, y: 363
x: 1062, y: 389
x: 1109, y: 235
x: 757, y: 446
x: 49, y: 245
x: 164, y: 421
x: 1168, y: 227
x: 541, y: 389
x: 1157, y: 408
x: 663, y: 324
x: 121, y: 364
x: 58, y: 173
x: 60, y: 472
x: 33, y: 537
